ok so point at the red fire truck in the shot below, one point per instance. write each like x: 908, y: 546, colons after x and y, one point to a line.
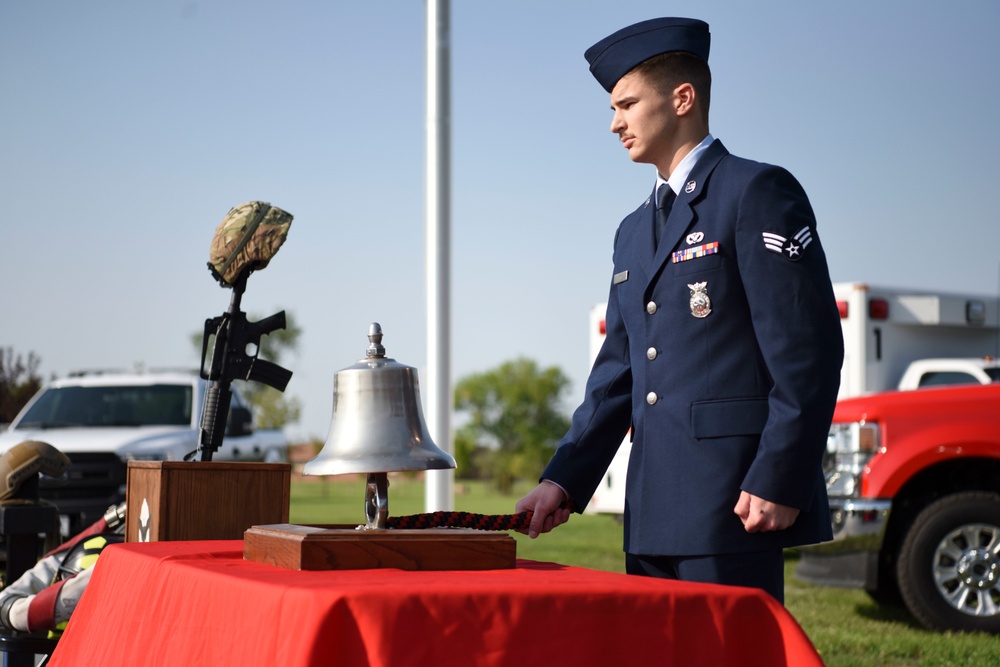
x: 914, y: 485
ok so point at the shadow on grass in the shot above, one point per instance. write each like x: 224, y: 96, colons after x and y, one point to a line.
x: 888, y: 613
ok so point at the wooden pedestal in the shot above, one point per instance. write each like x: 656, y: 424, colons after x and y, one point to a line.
x: 180, y: 500
x: 345, y: 548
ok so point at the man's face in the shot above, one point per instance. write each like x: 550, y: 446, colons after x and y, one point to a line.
x: 644, y: 119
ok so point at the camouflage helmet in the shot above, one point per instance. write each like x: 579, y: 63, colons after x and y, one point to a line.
x: 247, y: 238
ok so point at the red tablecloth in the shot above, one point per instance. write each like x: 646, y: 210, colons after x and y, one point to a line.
x: 200, y: 603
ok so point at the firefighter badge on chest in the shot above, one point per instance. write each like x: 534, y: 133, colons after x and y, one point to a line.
x: 701, y: 305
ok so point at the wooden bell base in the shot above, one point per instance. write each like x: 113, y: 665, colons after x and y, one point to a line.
x: 297, y: 547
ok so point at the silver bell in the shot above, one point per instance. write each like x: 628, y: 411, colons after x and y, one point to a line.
x: 378, y: 424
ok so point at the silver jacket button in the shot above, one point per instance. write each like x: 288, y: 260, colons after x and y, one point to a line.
x: 651, y: 398
x: 651, y: 353
x: 651, y: 307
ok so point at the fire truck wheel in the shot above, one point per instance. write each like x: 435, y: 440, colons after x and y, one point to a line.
x: 949, y: 564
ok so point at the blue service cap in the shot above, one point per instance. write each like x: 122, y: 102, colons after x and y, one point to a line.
x: 618, y: 54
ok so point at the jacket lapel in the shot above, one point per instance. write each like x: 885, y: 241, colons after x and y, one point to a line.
x: 682, y: 213
x: 647, y: 220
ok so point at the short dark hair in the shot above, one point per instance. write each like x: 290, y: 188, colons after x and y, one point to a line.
x: 668, y: 70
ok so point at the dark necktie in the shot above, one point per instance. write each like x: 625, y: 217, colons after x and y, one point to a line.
x: 664, y: 200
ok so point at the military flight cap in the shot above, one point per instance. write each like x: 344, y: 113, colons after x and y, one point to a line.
x: 618, y: 54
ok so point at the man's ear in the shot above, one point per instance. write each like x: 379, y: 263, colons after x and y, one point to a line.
x: 684, y: 99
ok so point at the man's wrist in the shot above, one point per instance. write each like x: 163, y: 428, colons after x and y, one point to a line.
x: 558, y: 486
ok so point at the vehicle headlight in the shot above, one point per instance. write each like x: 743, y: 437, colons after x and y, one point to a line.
x: 849, y: 447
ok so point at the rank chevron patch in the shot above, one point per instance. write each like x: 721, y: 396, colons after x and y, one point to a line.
x: 791, y: 248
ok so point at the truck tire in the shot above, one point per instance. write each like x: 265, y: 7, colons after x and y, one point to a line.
x: 949, y: 564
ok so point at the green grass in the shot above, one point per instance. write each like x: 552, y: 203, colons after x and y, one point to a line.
x: 850, y: 630
x: 847, y: 628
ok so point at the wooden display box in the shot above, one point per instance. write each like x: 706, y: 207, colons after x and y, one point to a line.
x: 297, y: 547
x: 206, y: 500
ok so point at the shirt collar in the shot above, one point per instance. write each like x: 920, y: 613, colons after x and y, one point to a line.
x: 680, y: 173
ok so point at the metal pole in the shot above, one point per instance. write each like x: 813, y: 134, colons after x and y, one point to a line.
x: 440, y: 483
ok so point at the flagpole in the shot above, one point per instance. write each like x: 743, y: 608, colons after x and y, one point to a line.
x: 439, y: 483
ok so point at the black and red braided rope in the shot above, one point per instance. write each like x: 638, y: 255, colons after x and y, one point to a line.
x: 518, y: 521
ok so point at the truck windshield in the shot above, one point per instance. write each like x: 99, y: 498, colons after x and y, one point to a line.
x: 939, y: 378
x: 150, y: 405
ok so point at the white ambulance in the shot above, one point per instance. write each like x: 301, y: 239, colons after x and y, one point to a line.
x: 893, y: 338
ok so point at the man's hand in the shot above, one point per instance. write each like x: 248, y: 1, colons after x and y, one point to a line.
x: 761, y: 516
x: 545, y: 502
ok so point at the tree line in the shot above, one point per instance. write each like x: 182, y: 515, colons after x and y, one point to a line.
x: 512, y: 421
x: 19, y: 381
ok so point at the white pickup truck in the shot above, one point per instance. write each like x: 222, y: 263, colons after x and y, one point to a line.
x: 937, y: 372
x: 102, y: 420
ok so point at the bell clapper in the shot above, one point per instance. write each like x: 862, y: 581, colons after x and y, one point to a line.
x: 377, y: 500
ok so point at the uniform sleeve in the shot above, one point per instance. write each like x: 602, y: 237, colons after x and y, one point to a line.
x: 797, y: 326
x: 600, y: 423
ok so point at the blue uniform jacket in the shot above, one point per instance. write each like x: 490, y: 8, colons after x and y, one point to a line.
x: 723, y: 353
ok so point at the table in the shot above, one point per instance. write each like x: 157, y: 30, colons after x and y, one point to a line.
x: 200, y: 603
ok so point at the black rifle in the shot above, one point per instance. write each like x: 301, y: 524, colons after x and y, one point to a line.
x: 234, y: 336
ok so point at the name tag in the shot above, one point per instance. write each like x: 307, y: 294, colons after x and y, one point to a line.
x: 619, y: 278
x: 696, y: 251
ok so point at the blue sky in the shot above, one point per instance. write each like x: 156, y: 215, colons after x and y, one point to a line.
x: 128, y: 129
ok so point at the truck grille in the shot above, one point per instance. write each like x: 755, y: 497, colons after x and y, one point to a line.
x: 94, y: 482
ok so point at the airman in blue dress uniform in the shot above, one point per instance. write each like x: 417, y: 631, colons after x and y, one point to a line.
x: 723, y: 348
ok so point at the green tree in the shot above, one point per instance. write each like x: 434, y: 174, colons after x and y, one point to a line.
x: 272, y: 408
x: 19, y: 381
x: 513, y: 423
